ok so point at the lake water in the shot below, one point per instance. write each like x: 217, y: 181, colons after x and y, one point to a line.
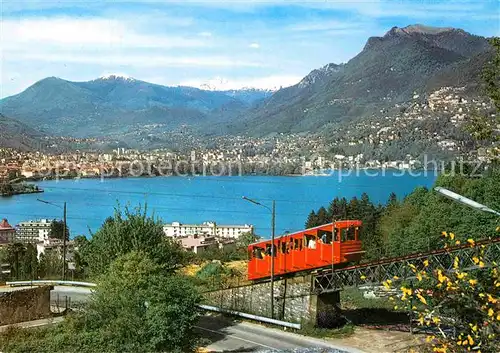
x: 198, y: 199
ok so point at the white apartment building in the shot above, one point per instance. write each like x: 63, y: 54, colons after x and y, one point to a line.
x: 33, y: 231
x: 177, y: 229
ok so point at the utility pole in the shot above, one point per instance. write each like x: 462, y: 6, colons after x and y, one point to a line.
x: 273, y: 221
x: 273, y: 247
x: 64, y: 244
x: 64, y: 233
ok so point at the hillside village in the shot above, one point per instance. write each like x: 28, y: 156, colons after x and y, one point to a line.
x: 393, y: 138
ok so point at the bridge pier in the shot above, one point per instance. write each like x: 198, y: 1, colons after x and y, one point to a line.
x: 325, y: 310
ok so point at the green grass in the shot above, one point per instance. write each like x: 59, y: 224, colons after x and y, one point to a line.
x: 341, y: 332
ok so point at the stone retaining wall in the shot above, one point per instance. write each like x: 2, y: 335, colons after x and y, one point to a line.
x: 24, y: 305
x: 293, y: 300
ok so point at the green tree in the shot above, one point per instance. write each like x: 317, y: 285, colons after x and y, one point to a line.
x: 50, y: 265
x: 131, y: 231
x: 246, y: 239
x: 57, y: 230
x: 136, y: 307
x: 6, y: 189
x: 491, y: 74
x: 159, y: 308
x: 322, y: 216
x: 312, y: 220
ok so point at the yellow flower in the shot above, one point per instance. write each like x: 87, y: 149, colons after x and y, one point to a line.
x: 473, y: 282
x: 436, y: 320
x: 461, y: 275
x: 441, y: 277
x: 419, y: 276
x: 452, y: 236
x: 474, y: 328
x: 455, y: 262
x: 421, y: 320
x: 406, y: 291
x: 422, y: 299
x: 498, y: 317
x: 363, y: 277
x: 490, y: 312
x: 395, y: 278
x: 428, y: 339
x: 457, y: 242
x: 481, y: 264
x: 471, y: 341
x: 444, y: 233
x: 475, y: 259
x: 491, y: 299
x: 471, y: 242
x: 395, y: 307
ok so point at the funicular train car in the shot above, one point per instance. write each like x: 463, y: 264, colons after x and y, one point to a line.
x: 326, y: 245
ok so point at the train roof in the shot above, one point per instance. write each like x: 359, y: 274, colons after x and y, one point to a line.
x: 305, y: 230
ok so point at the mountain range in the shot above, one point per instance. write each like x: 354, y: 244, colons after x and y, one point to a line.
x: 113, y: 102
x: 19, y: 136
x: 391, y: 69
x: 409, y: 61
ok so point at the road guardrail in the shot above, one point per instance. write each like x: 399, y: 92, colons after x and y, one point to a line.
x: 50, y: 283
x: 251, y: 316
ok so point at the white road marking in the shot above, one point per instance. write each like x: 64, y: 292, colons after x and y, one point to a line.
x: 239, y: 338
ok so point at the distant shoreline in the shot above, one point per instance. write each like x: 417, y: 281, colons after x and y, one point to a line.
x: 22, y: 192
x: 329, y: 173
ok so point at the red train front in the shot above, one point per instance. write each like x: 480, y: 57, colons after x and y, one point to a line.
x: 322, y: 246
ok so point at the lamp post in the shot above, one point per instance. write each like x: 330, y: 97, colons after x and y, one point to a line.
x: 273, y: 221
x: 64, y: 233
x: 464, y: 200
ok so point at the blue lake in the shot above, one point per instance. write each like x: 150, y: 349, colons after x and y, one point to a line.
x: 198, y: 199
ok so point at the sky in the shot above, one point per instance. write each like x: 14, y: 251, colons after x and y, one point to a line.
x: 227, y: 44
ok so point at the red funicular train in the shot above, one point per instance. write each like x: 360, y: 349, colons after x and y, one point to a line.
x: 323, y: 246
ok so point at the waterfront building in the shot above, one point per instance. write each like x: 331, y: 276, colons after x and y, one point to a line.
x: 34, y: 231
x: 7, y: 232
x: 178, y: 230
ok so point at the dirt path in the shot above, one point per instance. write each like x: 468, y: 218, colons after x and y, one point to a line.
x: 378, y: 341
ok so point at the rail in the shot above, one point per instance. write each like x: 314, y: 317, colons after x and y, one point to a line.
x: 381, y: 270
x: 251, y: 316
x: 50, y: 283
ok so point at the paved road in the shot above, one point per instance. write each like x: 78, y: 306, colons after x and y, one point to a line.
x: 225, y: 335
x: 75, y: 294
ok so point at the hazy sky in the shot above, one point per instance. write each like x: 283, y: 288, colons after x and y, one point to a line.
x: 241, y: 43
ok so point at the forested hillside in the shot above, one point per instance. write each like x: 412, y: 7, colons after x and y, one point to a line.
x: 415, y: 223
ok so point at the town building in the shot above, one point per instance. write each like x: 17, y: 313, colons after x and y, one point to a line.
x: 33, y: 231
x: 178, y: 230
x: 201, y: 243
x: 56, y: 246
x: 7, y: 232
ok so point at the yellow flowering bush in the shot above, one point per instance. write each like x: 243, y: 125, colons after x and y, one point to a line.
x: 459, y: 308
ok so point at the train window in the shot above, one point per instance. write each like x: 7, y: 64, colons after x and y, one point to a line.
x: 348, y: 234
x: 258, y: 253
x: 297, y: 244
x: 336, y: 234
x: 325, y: 236
x: 284, y: 247
x: 310, y: 241
x: 268, y: 250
